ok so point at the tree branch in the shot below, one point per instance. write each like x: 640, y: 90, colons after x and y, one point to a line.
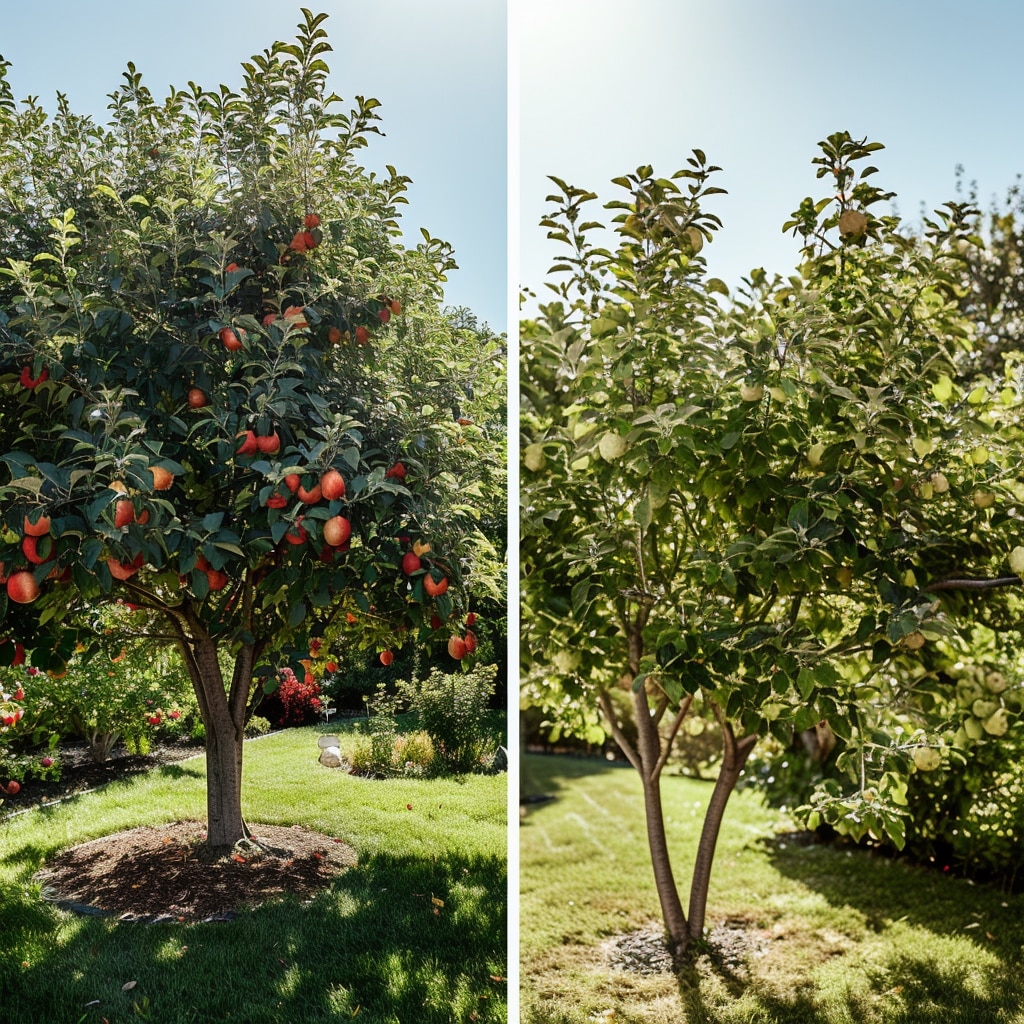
x: 684, y: 710
x: 971, y: 584
x: 627, y: 748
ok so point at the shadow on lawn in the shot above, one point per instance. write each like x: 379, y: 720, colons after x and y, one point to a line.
x: 544, y: 777
x: 920, y: 986
x: 397, y: 938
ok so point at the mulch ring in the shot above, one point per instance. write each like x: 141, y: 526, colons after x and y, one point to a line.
x: 728, y: 948
x: 163, y: 873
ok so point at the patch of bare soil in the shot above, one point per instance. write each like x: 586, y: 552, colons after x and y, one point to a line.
x: 728, y: 948
x: 163, y: 873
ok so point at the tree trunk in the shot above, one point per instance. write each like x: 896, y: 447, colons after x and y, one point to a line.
x: 735, y: 754
x: 223, y: 715
x: 223, y: 784
x: 664, y: 880
x: 649, y: 749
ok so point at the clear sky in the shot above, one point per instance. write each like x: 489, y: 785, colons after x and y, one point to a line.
x: 608, y: 86
x: 437, y: 66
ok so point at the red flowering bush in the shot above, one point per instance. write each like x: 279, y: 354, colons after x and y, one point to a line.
x: 299, y: 698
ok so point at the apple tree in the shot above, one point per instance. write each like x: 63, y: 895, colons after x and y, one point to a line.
x: 749, y: 504
x: 209, y: 336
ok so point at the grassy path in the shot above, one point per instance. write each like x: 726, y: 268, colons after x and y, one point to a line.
x: 839, y: 936
x: 370, y: 948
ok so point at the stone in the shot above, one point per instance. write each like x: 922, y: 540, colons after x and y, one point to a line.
x: 330, y: 757
x: 500, y: 762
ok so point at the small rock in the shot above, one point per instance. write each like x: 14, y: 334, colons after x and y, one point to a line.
x: 330, y: 757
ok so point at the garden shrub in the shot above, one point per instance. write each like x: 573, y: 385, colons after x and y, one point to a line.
x: 257, y: 726
x: 453, y: 709
x: 375, y: 754
x: 964, y: 798
x: 300, y: 699
x: 414, y: 754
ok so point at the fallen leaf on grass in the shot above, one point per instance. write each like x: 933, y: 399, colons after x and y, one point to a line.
x: 128, y: 986
x: 497, y: 977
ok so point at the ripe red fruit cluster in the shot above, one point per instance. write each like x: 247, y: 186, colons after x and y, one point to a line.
x: 459, y: 647
x: 310, y: 237
x: 396, y: 472
x: 267, y: 444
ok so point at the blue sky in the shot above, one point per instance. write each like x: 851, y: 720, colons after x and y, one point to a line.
x: 608, y: 86
x: 437, y: 66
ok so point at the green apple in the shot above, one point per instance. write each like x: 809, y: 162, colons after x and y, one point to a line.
x: 997, y: 723
x: 534, y: 458
x: 1017, y: 560
x: 611, y: 446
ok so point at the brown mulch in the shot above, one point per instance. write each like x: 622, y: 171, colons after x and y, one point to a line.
x: 163, y: 873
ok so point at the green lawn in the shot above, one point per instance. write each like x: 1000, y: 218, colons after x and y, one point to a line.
x: 845, y: 936
x: 368, y: 948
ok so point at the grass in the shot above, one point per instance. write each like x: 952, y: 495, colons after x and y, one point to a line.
x: 369, y: 948
x: 848, y: 936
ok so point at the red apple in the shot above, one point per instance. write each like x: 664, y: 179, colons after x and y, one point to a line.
x: 410, y: 563
x: 396, y: 472
x: 457, y: 648
x: 337, y: 530
x: 248, y: 445
x: 332, y: 485
x: 39, y: 528
x: 22, y: 587
x: 386, y: 657
x: 297, y: 534
x: 269, y: 445
x: 124, y: 513
x: 229, y: 339
x: 435, y: 589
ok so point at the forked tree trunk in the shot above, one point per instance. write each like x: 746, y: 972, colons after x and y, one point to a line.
x: 649, y: 759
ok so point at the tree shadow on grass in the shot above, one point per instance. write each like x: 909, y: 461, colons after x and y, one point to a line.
x: 181, y: 771
x: 977, y: 982
x: 396, y: 938
x: 545, y: 777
